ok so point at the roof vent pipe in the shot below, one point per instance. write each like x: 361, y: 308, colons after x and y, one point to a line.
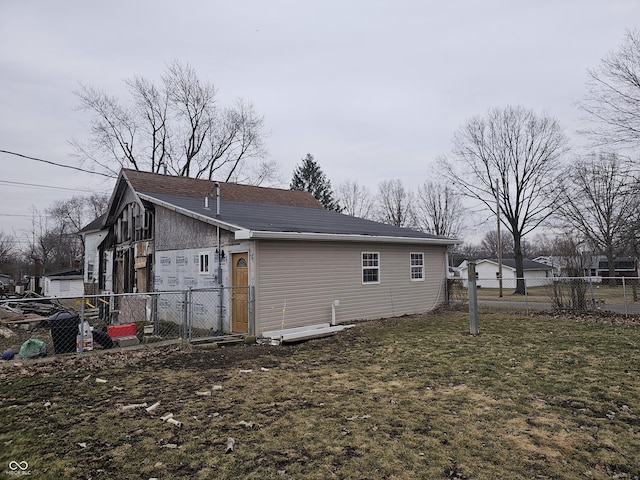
x: 217, y: 198
x: 206, y: 202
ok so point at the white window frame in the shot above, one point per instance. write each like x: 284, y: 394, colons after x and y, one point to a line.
x: 204, y: 263
x: 370, y: 267
x: 415, y: 268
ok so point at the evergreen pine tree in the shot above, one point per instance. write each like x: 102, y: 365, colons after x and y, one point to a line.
x: 309, y: 177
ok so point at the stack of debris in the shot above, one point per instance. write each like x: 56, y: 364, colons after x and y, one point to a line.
x: 29, y: 309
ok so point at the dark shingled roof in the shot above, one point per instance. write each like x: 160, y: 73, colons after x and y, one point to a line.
x: 147, y: 182
x: 285, y: 218
x: 95, y: 225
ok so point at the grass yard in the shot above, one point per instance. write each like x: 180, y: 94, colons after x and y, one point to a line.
x: 415, y: 397
x: 609, y: 294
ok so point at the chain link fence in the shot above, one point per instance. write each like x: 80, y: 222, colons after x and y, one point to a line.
x: 126, y: 319
x: 569, y: 294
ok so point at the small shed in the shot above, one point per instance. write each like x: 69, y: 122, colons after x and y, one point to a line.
x: 67, y: 283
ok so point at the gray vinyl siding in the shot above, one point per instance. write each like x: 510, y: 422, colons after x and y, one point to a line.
x: 308, y: 276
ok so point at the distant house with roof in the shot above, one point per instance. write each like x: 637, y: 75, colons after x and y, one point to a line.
x: 93, y: 234
x: 288, y: 259
x: 624, y: 267
x: 487, y: 273
x: 556, y: 263
x: 65, y: 283
x: 596, y: 267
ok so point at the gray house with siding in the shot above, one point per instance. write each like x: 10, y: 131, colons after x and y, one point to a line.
x: 299, y: 262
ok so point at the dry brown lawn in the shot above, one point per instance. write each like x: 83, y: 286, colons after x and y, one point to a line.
x: 414, y: 397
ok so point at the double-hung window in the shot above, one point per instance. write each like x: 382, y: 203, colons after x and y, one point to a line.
x: 370, y: 267
x: 417, y: 266
x: 204, y: 263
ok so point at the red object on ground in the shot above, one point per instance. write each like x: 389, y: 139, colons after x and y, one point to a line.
x: 117, y: 331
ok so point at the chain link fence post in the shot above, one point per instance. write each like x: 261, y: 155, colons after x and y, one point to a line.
x: 220, y: 308
x: 252, y: 326
x: 154, y: 314
x: 624, y: 296
x: 473, y: 299
x: 80, y: 346
x: 185, y: 300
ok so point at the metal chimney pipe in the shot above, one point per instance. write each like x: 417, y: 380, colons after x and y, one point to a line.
x: 217, y: 198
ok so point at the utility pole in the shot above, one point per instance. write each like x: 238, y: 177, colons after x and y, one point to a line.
x: 499, y: 239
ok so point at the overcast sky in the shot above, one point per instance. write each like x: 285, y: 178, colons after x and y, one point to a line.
x: 373, y: 89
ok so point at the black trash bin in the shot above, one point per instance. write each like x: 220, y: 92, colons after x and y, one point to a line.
x: 64, y: 329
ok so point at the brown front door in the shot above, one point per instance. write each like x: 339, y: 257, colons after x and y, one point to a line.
x: 240, y: 293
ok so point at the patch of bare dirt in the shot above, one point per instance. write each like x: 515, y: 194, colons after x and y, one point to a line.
x: 170, y: 355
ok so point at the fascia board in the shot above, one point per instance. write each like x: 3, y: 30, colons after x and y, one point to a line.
x: 244, y: 234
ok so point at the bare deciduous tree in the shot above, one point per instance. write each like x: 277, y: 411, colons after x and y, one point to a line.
x: 489, y: 244
x: 571, y: 293
x: 42, y: 245
x: 599, y: 200
x: 612, y: 101
x: 6, y: 249
x: 55, y: 238
x: 395, y: 204
x: 176, y: 126
x: 466, y: 251
x: 506, y: 160
x: 68, y: 215
x: 11, y: 260
x: 438, y: 210
x: 355, y: 199
x: 542, y: 244
x: 95, y: 205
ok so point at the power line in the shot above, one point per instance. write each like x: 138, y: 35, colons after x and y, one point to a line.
x: 21, y: 215
x: 54, y: 163
x: 35, y: 185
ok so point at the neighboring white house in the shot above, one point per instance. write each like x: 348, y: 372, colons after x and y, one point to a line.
x: 69, y: 283
x: 535, y: 273
x: 93, y: 236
